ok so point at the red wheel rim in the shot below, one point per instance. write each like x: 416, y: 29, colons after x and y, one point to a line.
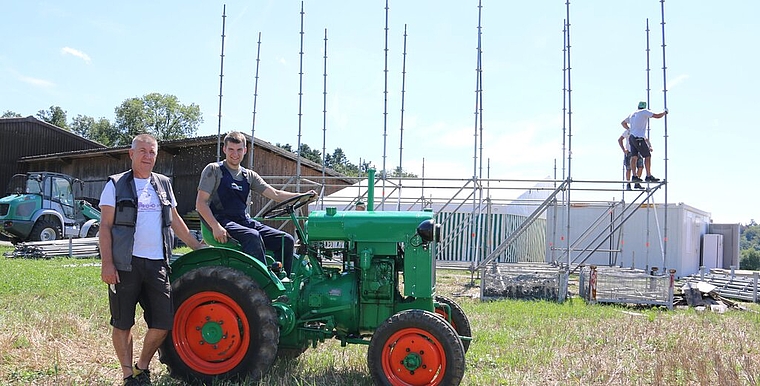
x: 442, y: 311
x: 412, y: 356
x: 210, y: 333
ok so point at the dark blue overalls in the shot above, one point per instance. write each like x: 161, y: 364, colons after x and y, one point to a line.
x: 253, y: 236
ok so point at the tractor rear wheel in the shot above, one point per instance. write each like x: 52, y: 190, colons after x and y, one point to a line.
x: 415, y: 347
x: 45, y: 229
x: 459, y: 319
x: 224, y: 327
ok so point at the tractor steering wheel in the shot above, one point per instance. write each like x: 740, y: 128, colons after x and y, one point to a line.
x: 288, y: 206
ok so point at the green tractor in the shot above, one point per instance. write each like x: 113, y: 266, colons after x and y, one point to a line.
x: 234, y: 315
x: 44, y: 206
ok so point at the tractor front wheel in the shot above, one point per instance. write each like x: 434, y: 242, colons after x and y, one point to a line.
x: 224, y: 327
x: 93, y: 231
x: 416, y: 347
x: 45, y: 229
x: 459, y: 319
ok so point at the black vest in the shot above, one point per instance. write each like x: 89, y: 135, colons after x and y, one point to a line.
x: 125, y: 217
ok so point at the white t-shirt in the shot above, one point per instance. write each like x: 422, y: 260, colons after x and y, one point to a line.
x: 148, y: 240
x: 637, y: 122
x: 625, y: 135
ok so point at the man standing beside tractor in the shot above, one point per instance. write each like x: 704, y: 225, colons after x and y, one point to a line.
x: 224, y: 195
x: 138, y: 214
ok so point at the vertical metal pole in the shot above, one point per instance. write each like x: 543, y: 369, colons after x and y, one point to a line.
x: 665, y: 105
x: 401, y: 139
x: 647, y: 235
x: 324, y: 122
x: 564, y: 92
x: 384, y: 172
x: 300, y: 106
x: 221, y: 77
x: 477, y: 195
x: 671, y: 288
x: 255, y: 98
x: 569, y: 134
x: 477, y: 100
x: 564, y: 135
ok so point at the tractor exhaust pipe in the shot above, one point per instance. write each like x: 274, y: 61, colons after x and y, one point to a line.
x: 371, y: 189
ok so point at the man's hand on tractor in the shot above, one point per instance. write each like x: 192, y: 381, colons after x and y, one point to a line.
x: 314, y: 195
x: 220, y: 234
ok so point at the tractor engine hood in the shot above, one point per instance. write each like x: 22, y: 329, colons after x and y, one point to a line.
x: 364, y: 226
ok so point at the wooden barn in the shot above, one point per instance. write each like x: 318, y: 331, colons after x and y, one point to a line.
x: 23, y: 137
x: 182, y: 161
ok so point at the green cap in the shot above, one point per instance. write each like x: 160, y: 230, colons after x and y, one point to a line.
x: 642, y: 105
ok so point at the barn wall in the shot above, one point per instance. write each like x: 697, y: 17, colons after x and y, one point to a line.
x: 182, y: 161
x: 23, y: 137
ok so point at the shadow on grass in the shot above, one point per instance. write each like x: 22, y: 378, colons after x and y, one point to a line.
x: 292, y: 372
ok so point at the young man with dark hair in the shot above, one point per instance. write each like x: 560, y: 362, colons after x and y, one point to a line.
x: 224, y: 195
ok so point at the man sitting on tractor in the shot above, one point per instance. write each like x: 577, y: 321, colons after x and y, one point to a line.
x: 223, y: 196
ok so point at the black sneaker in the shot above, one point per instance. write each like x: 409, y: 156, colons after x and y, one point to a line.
x: 131, y: 381
x: 141, y: 375
x: 628, y: 186
x: 652, y: 179
x: 638, y: 186
x: 635, y: 179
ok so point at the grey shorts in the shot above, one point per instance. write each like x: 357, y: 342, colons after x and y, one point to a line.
x: 147, y: 284
x: 627, y: 161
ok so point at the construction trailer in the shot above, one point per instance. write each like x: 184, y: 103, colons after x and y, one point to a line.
x: 615, y: 234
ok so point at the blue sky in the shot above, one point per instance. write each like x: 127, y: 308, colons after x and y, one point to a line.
x: 89, y: 56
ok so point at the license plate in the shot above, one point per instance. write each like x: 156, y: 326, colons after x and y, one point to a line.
x: 336, y: 244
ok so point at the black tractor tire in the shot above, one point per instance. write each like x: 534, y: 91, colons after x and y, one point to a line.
x: 415, y: 347
x: 224, y: 328
x: 459, y: 319
x: 45, y: 229
x: 93, y: 231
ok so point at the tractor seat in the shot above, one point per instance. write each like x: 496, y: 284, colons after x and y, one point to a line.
x: 208, y: 238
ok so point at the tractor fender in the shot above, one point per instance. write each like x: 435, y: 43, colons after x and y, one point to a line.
x: 85, y: 229
x: 48, y: 212
x: 226, y: 257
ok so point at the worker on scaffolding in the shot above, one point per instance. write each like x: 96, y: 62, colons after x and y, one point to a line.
x: 640, y: 147
x: 625, y: 145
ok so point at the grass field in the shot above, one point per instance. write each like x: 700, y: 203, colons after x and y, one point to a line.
x: 54, y: 331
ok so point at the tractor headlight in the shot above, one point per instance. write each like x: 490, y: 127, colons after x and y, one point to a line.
x: 428, y: 230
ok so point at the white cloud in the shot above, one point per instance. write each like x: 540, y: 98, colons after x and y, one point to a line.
x: 36, y: 82
x: 77, y: 53
x: 678, y: 80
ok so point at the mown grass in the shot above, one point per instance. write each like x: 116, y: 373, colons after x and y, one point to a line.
x: 54, y: 331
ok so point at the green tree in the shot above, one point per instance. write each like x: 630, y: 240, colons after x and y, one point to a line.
x: 99, y: 130
x: 336, y: 159
x: 750, y: 236
x: 399, y: 172
x: 55, y: 115
x: 10, y: 114
x: 163, y: 116
x: 750, y: 259
x: 311, y: 154
x: 285, y: 147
